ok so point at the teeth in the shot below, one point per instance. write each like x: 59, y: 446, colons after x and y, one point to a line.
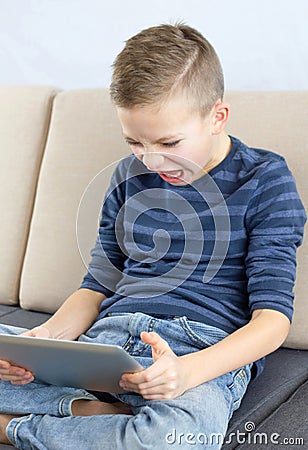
x: 174, y: 175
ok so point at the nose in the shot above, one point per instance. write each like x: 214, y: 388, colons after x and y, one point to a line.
x: 153, y: 160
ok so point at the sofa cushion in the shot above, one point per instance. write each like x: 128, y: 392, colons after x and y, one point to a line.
x: 24, y: 120
x: 13, y: 315
x: 278, y: 121
x: 287, y: 425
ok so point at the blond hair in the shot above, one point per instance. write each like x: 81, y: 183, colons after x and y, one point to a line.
x: 165, y: 60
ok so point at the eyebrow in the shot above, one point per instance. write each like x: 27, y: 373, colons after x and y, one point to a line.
x: 160, y: 140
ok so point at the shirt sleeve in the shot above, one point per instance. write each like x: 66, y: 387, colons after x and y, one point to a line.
x: 275, y: 222
x: 107, y: 256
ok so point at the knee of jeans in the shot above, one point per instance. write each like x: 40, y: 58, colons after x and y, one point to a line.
x: 158, y: 425
x: 187, y: 420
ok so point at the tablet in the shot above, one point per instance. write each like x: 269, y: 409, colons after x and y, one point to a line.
x: 96, y: 367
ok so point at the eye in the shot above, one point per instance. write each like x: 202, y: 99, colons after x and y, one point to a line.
x: 133, y: 143
x: 170, y: 144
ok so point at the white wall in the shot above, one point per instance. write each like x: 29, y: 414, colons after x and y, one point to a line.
x: 263, y: 44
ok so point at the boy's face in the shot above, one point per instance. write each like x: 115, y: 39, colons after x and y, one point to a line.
x: 174, y: 141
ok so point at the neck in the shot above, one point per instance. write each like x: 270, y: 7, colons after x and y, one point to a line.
x: 221, y: 149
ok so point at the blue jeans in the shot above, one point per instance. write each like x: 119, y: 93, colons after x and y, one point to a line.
x: 189, y: 420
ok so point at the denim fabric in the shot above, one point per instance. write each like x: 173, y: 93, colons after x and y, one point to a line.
x: 186, y: 421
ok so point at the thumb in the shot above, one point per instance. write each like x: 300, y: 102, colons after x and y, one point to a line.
x: 158, y: 344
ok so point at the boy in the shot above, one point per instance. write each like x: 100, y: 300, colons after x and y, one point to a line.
x: 192, y: 272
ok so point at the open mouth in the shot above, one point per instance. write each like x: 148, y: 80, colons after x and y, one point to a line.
x: 172, y: 175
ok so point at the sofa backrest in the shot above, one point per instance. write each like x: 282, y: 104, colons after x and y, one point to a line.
x: 56, y: 160
x: 84, y: 138
x: 24, y: 123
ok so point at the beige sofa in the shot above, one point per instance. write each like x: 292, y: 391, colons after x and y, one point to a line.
x: 57, y: 152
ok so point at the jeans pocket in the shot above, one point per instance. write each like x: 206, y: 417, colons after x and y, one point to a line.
x: 200, y: 334
x: 239, y: 382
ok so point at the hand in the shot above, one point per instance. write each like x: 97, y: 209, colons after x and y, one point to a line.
x: 40, y: 332
x: 19, y: 375
x: 167, y: 378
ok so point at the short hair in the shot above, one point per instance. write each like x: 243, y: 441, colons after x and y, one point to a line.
x: 165, y: 60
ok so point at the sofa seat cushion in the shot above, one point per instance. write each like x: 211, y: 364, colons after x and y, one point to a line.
x: 289, y: 421
x: 287, y: 425
x: 13, y: 315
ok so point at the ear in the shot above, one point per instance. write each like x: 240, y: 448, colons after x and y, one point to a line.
x: 220, y: 116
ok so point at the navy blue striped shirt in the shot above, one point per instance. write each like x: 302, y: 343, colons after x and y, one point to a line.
x: 214, y: 251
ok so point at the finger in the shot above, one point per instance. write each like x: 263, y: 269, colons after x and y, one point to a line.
x: 10, y: 378
x: 159, y: 396
x: 166, y: 380
x: 159, y: 391
x: 15, y: 373
x: 136, y: 378
x: 163, y: 388
x: 158, y: 370
x: 155, y: 384
x: 15, y: 370
x: 11, y: 372
x: 4, y: 364
x: 155, y: 341
x: 129, y: 379
x: 22, y: 382
x: 18, y: 371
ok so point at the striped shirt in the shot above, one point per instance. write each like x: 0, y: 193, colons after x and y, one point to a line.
x: 213, y: 251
